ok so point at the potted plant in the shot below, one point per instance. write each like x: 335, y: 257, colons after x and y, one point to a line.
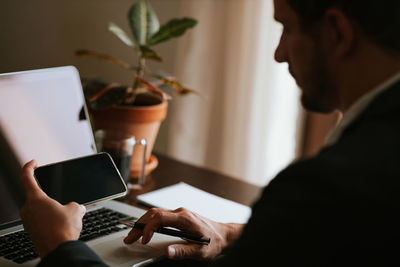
x: 137, y: 109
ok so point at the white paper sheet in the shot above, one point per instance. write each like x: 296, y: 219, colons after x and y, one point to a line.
x: 203, y: 203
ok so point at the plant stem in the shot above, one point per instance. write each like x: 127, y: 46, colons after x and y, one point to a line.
x: 140, y: 71
x: 142, y: 66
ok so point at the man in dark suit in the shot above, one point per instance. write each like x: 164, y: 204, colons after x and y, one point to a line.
x: 339, y: 208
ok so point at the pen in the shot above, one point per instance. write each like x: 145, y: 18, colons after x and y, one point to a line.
x: 171, y: 232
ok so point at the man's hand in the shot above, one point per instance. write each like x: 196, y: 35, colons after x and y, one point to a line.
x: 221, y: 234
x: 47, y: 222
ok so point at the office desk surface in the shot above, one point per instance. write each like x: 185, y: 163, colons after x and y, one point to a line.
x: 170, y: 171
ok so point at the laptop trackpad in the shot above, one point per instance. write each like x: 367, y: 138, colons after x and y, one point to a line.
x: 115, y: 253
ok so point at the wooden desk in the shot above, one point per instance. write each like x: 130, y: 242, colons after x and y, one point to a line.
x: 170, y: 171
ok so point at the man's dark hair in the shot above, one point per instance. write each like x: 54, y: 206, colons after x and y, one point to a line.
x: 378, y: 20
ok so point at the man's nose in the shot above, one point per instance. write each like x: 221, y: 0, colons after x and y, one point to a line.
x: 280, y: 52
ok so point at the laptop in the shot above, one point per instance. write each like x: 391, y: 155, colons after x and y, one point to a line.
x: 43, y: 117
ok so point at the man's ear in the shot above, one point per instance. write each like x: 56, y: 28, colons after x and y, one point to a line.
x: 339, y: 32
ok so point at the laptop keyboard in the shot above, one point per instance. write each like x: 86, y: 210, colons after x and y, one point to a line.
x: 97, y: 223
x: 101, y: 222
x: 17, y: 247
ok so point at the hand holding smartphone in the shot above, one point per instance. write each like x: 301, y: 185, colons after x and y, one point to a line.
x: 86, y: 180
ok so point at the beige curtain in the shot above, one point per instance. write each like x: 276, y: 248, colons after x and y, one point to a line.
x: 247, y: 125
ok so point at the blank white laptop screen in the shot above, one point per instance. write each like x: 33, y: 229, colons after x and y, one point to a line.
x: 42, y: 117
x: 25, y: 101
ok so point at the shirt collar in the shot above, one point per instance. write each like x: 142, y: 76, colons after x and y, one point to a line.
x: 357, y: 108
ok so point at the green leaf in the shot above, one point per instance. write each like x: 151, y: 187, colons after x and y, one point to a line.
x: 115, y: 29
x: 146, y: 52
x: 173, y: 28
x: 173, y: 83
x: 143, y: 21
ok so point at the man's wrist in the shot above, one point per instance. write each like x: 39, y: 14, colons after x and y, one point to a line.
x: 234, y: 231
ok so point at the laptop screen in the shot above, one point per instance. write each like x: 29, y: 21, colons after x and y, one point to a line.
x: 42, y: 117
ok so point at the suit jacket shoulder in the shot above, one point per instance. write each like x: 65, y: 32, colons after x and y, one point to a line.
x: 339, y: 208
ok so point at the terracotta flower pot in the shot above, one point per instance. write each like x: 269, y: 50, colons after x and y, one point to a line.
x: 142, y: 121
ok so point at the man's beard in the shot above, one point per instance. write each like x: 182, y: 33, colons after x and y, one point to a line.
x: 319, y: 97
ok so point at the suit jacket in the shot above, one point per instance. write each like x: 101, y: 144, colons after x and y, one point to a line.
x: 339, y: 208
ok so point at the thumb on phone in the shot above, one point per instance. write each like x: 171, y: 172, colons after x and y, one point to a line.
x: 28, y: 180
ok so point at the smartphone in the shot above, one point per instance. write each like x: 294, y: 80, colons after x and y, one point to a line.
x: 85, y: 180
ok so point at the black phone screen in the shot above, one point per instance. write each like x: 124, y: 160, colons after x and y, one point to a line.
x: 84, y: 180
